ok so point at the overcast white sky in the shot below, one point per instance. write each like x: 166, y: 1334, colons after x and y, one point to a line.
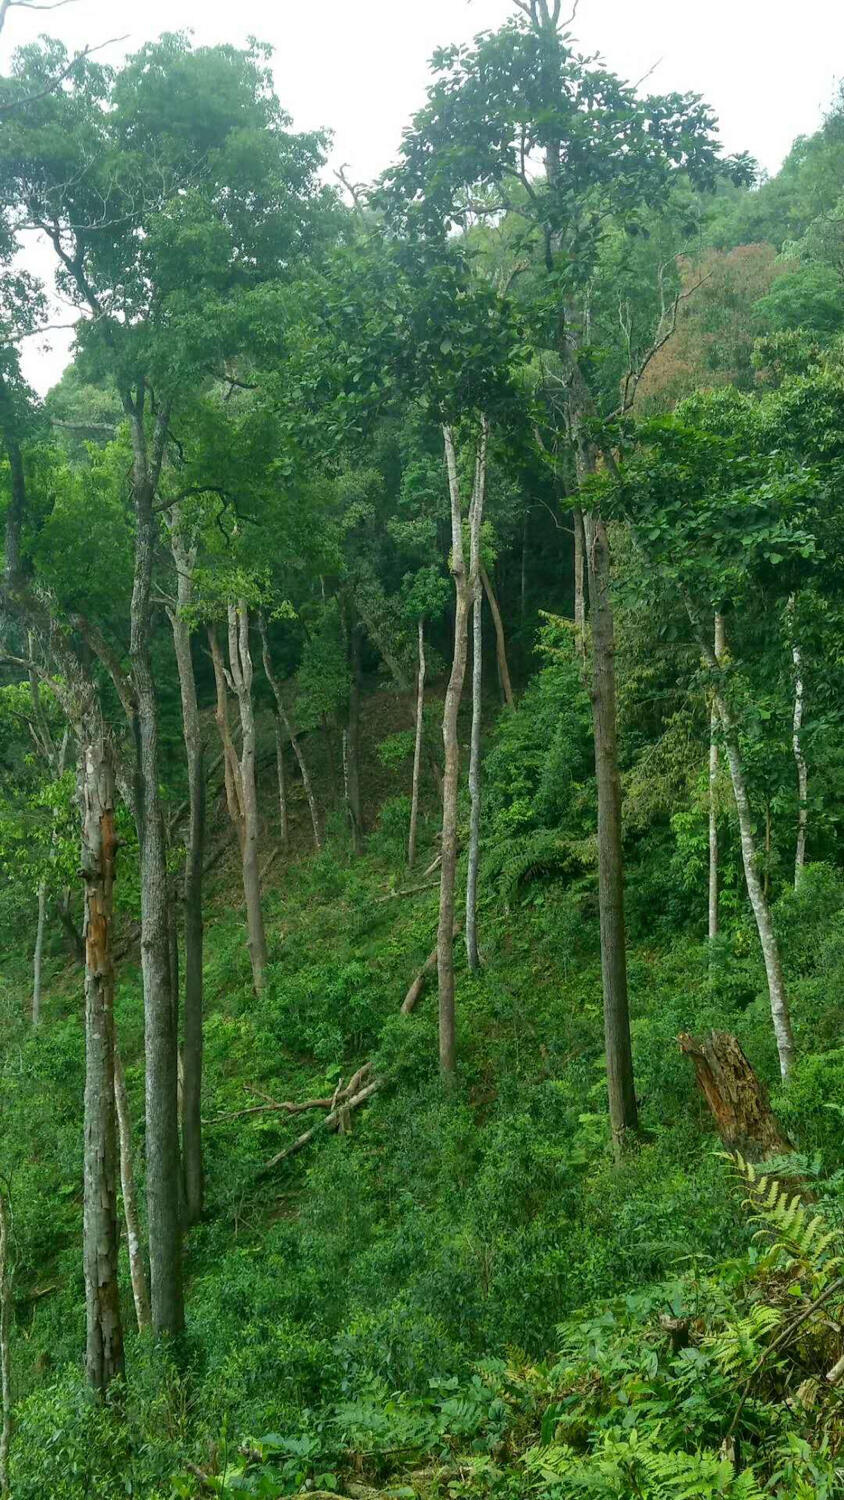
x: 359, y: 67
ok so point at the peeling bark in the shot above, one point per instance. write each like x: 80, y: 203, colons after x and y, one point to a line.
x: 738, y: 1102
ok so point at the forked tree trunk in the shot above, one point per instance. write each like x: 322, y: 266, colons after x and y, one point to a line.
x: 713, y: 791
x: 797, y: 746
x: 417, y: 747
x: 780, y: 1013
x: 288, y: 730
x: 240, y: 670
x: 5, y: 1344
x: 463, y: 586
x: 184, y: 557
x: 619, y: 1051
x: 283, y: 816
x: 134, y: 1241
x: 735, y: 1096
x: 500, y: 644
x: 474, y: 787
x: 104, y: 1342
x: 38, y: 955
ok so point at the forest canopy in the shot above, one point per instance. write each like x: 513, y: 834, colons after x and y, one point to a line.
x: 421, y: 669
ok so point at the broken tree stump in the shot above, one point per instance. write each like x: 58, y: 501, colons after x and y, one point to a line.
x: 736, y: 1097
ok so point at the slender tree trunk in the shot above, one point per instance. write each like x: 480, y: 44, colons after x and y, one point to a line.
x: 104, y: 1344
x: 184, y: 558
x: 780, y: 1013
x: 500, y: 646
x: 622, y: 1094
x: 134, y: 1241
x: 163, y: 1174
x: 797, y: 746
x: 283, y: 817
x: 352, y: 741
x: 713, y: 789
x: 463, y: 590
x: 231, y: 766
x: 474, y: 786
x: 39, y: 953
x: 240, y: 668
x: 523, y: 572
x: 5, y: 1344
x: 71, y: 927
x: 288, y: 730
x: 417, y: 747
x: 579, y: 580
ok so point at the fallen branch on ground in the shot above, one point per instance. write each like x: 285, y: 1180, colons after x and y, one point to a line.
x: 411, y: 890
x: 409, y: 1002
x: 291, y: 1106
x: 329, y: 1122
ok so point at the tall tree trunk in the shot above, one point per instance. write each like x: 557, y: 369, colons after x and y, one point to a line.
x: 39, y: 953
x: 780, y: 1013
x: 500, y: 646
x: 5, y: 1344
x: 579, y: 580
x: 474, y: 787
x: 720, y: 645
x: 104, y: 1344
x: 620, y: 1084
x: 463, y: 586
x: 240, y: 669
x: 288, y: 730
x: 184, y: 557
x: 283, y: 817
x: 351, y: 747
x: 231, y: 765
x: 134, y: 1241
x: 417, y: 746
x: 797, y: 746
x: 163, y: 1174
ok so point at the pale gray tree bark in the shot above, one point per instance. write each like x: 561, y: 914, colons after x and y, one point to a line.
x: 473, y: 860
x: 104, y: 1341
x: 579, y: 580
x: 417, y: 745
x: 500, y: 642
x: 240, y: 681
x: 720, y: 646
x: 797, y: 746
x: 184, y: 558
x: 464, y: 588
x: 128, y: 1188
x: 780, y: 1012
x: 284, y: 719
x: 38, y: 954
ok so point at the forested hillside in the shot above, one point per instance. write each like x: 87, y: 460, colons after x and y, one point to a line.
x: 421, y: 876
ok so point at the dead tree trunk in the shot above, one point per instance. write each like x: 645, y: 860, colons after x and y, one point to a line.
x: 713, y: 791
x: 780, y: 1013
x: 500, y: 644
x: 240, y: 675
x: 104, y: 1344
x: 184, y: 557
x: 472, y: 956
x: 737, y: 1099
x: 417, y: 747
x: 5, y: 1343
x: 797, y: 746
x: 463, y: 586
x: 288, y: 730
x: 134, y: 1241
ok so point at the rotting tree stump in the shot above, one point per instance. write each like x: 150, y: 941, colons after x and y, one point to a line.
x: 736, y: 1097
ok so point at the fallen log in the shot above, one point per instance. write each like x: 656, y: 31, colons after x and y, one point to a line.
x: 736, y: 1097
x: 329, y: 1122
x: 411, y: 998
